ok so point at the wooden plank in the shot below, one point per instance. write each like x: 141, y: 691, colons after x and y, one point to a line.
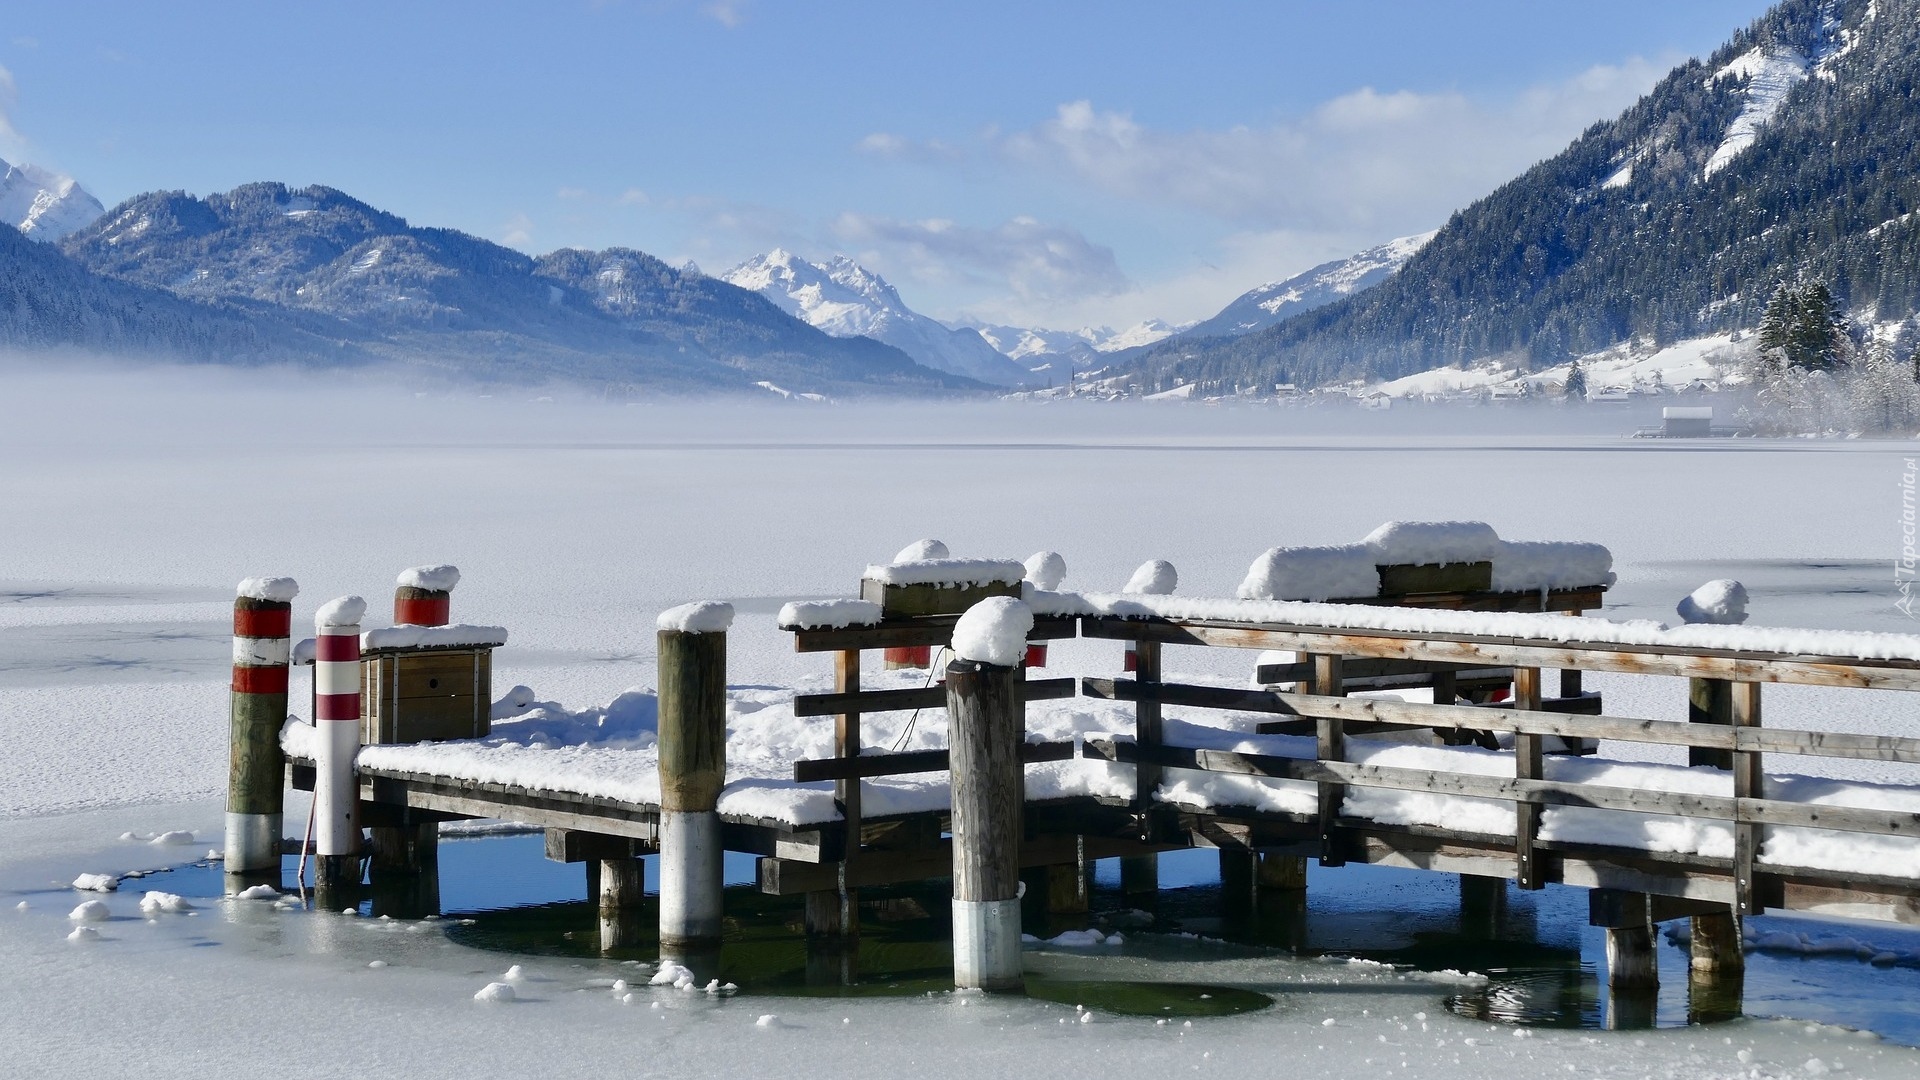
x: 1517, y: 652
x: 929, y: 630
x: 916, y: 697
x: 1529, y: 763
x: 912, y: 761
x: 934, y: 862
x: 1412, y: 714
x: 572, y: 846
x: 1377, y: 668
x: 1403, y: 579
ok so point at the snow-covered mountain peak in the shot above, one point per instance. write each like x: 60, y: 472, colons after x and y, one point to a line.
x: 1770, y: 71
x: 1276, y: 300
x: 846, y: 299
x: 43, y: 204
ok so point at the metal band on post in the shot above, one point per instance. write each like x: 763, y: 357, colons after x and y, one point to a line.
x: 256, y: 793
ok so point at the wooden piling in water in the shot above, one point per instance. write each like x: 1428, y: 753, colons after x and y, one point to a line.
x: 1715, y: 945
x: 336, y: 716
x: 985, y: 711
x: 256, y: 774
x: 693, y: 763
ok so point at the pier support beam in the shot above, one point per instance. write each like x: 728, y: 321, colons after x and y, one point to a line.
x: 1139, y: 877
x: 693, y: 762
x: 1483, y: 904
x: 1715, y: 944
x: 984, y: 710
x: 1628, y: 919
x: 622, y: 886
x: 256, y: 776
x: 336, y: 715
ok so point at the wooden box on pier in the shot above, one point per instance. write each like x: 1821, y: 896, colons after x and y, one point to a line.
x: 426, y: 694
x: 1408, y: 579
x: 908, y: 601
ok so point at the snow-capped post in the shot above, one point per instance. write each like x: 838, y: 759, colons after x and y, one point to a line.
x: 256, y: 774
x: 1155, y: 577
x: 1046, y: 570
x: 913, y: 656
x: 693, y: 767
x: 987, y: 719
x: 423, y: 595
x: 1720, y: 602
x: 336, y: 716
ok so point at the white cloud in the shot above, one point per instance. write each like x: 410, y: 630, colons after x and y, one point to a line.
x: 1367, y: 159
x: 1040, y: 263
x: 728, y: 13
x: 517, y: 232
x: 10, y: 140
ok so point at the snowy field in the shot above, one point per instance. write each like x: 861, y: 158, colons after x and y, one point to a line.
x: 134, y: 501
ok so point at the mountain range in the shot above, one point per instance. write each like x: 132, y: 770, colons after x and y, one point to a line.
x: 1278, y: 301
x: 329, y: 279
x: 1793, y: 152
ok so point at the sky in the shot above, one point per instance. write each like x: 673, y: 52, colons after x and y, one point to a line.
x: 1057, y: 164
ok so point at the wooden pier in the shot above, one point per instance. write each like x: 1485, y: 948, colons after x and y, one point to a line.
x: 1632, y: 887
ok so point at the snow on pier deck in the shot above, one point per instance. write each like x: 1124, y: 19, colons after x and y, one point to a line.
x: 1225, y: 772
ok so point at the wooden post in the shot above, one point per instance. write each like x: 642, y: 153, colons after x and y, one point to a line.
x: 622, y: 885
x: 986, y: 716
x: 692, y: 654
x: 1715, y: 943
x: 1329, y: 680
x: 1139, y: 876
x: 1570, y: 677
x: 1146, y: 725
x: 1630, y: 958
x: 256, y: 775
x: 404, y: 870
x: 423, y: 595
x: 1237, y: 881
x: 1748, y: 783
x: 1279, y: 873
x: 1483, y: 904
x: 836, y: 914
x: 336, y: 716
x: 1710, y: 701
x: 1528, y: 764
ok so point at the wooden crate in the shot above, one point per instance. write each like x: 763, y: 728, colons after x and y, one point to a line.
x: 1408, y: 578
x: 906, y: 601
x: 420, y: 695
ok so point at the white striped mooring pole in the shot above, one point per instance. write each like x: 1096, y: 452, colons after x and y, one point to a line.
x: 256, y: 768
x: 693, y: 768
x: 336, y: 718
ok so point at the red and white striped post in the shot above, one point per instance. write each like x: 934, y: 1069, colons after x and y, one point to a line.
x: 336, y: 718
x: 423, y: 595
x: 256, y: 793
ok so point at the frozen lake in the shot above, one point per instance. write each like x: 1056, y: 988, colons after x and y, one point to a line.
x: 133, y: 501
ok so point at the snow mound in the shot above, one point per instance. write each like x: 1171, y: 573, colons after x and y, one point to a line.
x: 281, y: 589
x: 671, y: 974
x: 258, y: 892
x: 515, y: 702
x: 1046, y: 569
x: 994, y: 631
x: 173, y: 838
x: 91, y: 911
x: 345, y: 611
x: 156, y: 903
x: 1721, y: 602
x: 949, y: 573
x: 1525, y: 565
x: 1155, y: 577
x: 96, y: 883
x: 702, y: 617
x: 1430, y: 542
x: 496, y: 993
x: 828, y: 614
x: 922, y: 550
x: 440, y: 578
x: 1312, y: 573
x: 409, y: 636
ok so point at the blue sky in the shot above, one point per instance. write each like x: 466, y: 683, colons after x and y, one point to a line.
x: 1053, y: 164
